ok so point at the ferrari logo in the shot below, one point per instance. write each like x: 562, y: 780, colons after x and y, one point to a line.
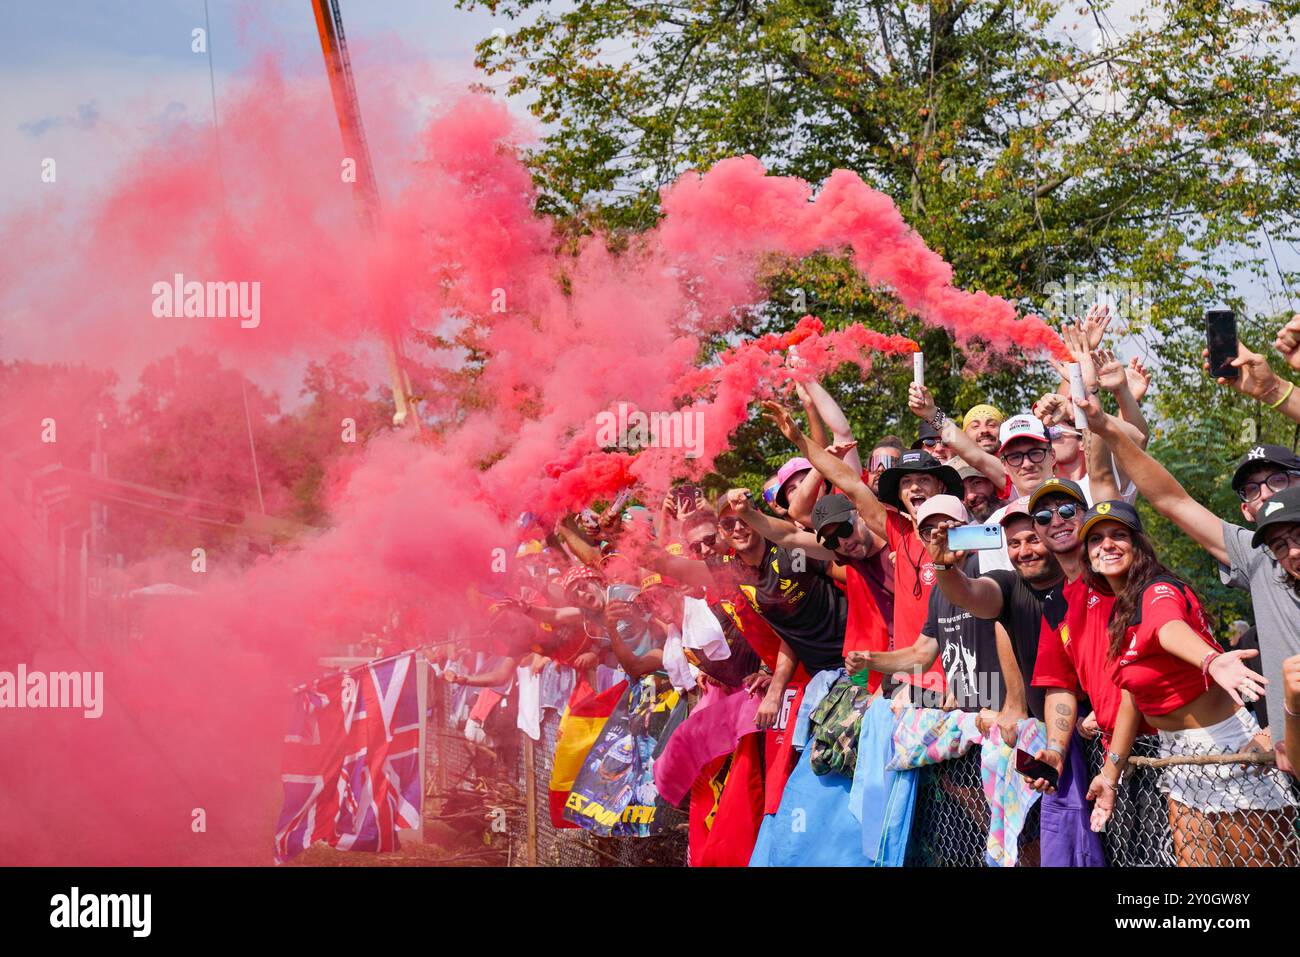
x: 1103, y: 508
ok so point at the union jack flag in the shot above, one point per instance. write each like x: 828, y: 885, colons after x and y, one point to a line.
x: 351, y: 767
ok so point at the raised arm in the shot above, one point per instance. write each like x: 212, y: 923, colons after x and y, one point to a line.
x: 816, y: 424
x: 1157, y: 486
x: 836, y: 421
x: 583, y: 550
x: 1113, y: 377
x: 839, y: 474
x: 785, y: 534
x: 922, y: 405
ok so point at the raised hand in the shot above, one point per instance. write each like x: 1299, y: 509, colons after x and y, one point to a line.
x: 779, y: 414
x: 938, y: 548
x: 1288, y: 342
x: 1094, y: 324
x: 1256, y: 379
x: 1053, y: 409
x: 920, y: 401
x: 841, y: 449
x: 1139, y: 378
x: 1111, y: 375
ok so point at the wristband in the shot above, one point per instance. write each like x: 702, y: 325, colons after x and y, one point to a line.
x: 1057, y: 748
x: 939, y: 568
x: 1288, y: 710
x: 1205, y: 666
x: 1290, y: 387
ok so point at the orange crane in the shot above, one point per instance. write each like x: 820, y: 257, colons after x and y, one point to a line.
x: 334, y: 45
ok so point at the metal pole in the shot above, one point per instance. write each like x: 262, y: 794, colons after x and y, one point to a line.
x: 530, y: 797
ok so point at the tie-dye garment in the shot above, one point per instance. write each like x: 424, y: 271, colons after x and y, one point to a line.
x: 1010, y: 797
x: 927, y: 736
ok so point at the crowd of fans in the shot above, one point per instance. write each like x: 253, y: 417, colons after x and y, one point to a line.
x: 1072, y: 624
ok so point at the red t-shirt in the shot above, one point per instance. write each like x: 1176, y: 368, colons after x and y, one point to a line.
x: 1159, y: 682
x: 913, y: 579
x: 1072, y: 651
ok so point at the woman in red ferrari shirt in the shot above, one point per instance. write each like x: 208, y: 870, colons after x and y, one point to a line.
x: 1170, y: 670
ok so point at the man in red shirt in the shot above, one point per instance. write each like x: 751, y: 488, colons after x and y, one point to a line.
x: 889, y: 514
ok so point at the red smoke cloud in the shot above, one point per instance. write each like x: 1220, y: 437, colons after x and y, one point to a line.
x: 195, y: 708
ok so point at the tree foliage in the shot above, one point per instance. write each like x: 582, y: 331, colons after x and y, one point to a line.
x: 1037, y: 146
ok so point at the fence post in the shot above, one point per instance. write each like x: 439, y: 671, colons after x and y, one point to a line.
x: 530, y: 800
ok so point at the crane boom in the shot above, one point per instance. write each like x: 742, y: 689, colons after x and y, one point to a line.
x: 338, y: 66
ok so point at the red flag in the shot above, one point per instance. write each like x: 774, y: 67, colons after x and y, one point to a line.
x: 739, y: 810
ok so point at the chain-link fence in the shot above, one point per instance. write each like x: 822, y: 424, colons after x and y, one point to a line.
x: 1189, y: 809
x: 1201, y: 806
x: 498, y: 771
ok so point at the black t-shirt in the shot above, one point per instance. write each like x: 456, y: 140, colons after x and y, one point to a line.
x: 968, y: 649
x: 795, y: 595
x: 1022, y: 617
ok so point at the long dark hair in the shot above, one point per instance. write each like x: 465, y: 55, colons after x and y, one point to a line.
x: 1145, y: 569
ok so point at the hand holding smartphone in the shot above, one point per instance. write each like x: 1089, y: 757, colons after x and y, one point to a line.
x: 1221, y: 339
x: 1031, y: 767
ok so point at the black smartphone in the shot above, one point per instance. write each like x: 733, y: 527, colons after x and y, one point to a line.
x: 1221, y: 337
x: 1030, y: 766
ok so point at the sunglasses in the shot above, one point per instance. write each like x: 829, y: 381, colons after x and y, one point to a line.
x: 831, y: 537
x: 881, y: 462
x: 729, y: 524
x: 704, y: 544
x: 769, y: 494
x: 1044, y: 516
x: 1278, y: 482
x: 1017, y: 459
x: 930, y: 443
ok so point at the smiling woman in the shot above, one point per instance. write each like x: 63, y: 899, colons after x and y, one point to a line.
x: 1174, y: 674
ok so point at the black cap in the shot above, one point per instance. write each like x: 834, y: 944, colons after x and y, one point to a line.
x: 1058, y: 486
x: 1278, y: 455
x: 1116, y: 510
x: 1283, y: 508
x: 916, y: 461
x: 926, y: 431
x: 832, y: 509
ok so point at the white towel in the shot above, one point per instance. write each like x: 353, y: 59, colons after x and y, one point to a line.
x: 701, y: 631
x: 530, y: 702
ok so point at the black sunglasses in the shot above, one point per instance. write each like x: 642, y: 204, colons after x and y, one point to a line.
x: 831, y: 537
x: 1017, y: 459
x: 705, y: 543
x: 1066, y: 511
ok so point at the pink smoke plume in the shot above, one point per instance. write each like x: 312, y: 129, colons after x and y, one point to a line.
x: 458, y: 264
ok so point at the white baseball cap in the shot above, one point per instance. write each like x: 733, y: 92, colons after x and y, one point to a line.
x: 1021, y: 426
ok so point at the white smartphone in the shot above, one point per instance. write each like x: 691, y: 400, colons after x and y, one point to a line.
x: 918, y: 368
x: 974, y: 538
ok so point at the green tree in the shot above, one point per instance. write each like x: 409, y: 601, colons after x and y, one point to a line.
x: 1038, y: 148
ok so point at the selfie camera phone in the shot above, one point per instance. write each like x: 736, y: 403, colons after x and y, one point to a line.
x: 974, y: 538
x: 1221, y: 338
x: 1030, y: 766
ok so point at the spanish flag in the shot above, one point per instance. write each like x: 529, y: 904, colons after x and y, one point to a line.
x: 583, y: 719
